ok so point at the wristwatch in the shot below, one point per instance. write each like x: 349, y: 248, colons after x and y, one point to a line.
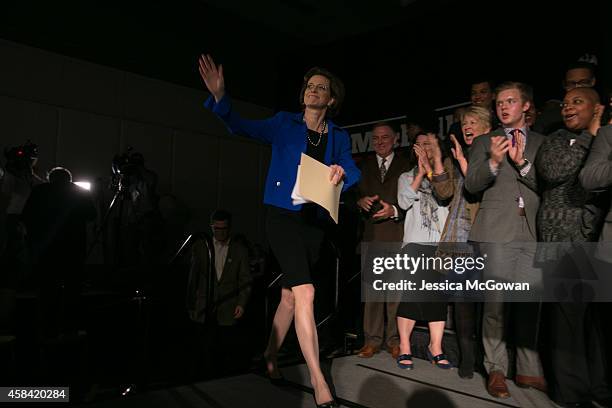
x: 525, y: 164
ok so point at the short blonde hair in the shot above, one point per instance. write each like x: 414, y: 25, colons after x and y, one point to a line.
x: 482, y: 114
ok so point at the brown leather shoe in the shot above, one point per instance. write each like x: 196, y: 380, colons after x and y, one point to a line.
x: 367, y: 351
x: 525, y: 381
x: 394, y: 351
x: 496, y: 386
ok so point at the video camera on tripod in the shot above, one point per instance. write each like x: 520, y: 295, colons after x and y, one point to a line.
x: 134, y: 180
x: 123, y: 166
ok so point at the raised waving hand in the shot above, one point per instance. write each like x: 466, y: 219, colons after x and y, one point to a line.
x: 212, y: 76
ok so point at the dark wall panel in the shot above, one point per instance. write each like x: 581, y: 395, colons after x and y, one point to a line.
x: 239, y: 183
x: 22, y: 120
x: 195, y: 172
x: 155, y: 143
x: 87, y: 143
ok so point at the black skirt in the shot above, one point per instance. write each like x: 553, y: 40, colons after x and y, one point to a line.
x: 424, y: 311
x: 296, y: 238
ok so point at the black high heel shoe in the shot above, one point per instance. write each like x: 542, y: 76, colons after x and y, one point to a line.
x: 435, y: 360
x: 328, y: 404
x: 279, y: 381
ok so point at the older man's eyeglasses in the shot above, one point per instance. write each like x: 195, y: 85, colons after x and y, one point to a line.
x: 317, y: 87
x: 582, y: 83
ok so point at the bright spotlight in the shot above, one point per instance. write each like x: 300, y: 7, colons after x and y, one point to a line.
x: 83, y: 184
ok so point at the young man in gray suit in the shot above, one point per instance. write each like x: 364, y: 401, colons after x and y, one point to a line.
x: 501, y: 169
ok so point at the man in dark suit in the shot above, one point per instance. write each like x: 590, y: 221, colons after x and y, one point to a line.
x: 596, y: 175
x: 56, y: 216
x: 384, y: 223
x: 501, y: 170
x: 218, y: 290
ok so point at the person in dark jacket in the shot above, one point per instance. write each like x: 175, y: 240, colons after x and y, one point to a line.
x: 219, y: 287
x: 56, y: 216
x: 383, y: 222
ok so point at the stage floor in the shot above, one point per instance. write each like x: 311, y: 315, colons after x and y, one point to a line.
x: 372, y: 383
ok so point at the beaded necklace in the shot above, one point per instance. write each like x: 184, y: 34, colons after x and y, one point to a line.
x: 324, y: 126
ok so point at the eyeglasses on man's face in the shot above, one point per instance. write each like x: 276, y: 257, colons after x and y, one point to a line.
x: 581, y: 83
x: 317, y: 87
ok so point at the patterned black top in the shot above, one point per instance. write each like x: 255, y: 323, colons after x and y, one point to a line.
x: 562, y: 208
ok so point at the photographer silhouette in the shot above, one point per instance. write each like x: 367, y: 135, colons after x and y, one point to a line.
x: 136, y: 227
x: 56, y: 216
x: 17, y: 184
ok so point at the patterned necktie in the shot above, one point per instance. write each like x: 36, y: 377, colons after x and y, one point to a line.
x: 516, y: 133
x: 383, y: 170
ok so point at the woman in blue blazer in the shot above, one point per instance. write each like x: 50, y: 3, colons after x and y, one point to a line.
x: 295, y: 232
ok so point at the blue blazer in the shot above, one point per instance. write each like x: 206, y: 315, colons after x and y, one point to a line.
x: 286, y: 132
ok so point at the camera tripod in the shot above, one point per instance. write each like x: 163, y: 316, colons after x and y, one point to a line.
x: 118, y: 196
x: 138, y: 351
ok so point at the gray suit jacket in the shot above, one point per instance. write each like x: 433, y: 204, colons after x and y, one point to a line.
x: 497, y: 219
x: 597, y: 175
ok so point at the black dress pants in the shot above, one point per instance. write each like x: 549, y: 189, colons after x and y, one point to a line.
x: 577, y: 363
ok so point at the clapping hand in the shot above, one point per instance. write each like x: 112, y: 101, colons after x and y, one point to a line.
x: 365, y: 203
x: 423, y: 161
x: 516, y: 150
x: 458, y: 155
x: 596, y: 121
x: 499, y: 147
x: 436, y: 152
x: 386, y: 212
x: 457, y: 150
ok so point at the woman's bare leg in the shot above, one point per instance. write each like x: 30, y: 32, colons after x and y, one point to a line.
x: 404, y: 329
x: 280, y: 326
x: 436, y: 331
x: 309, y: 343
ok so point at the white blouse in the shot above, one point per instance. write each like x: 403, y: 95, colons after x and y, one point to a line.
x: 425, y: 230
